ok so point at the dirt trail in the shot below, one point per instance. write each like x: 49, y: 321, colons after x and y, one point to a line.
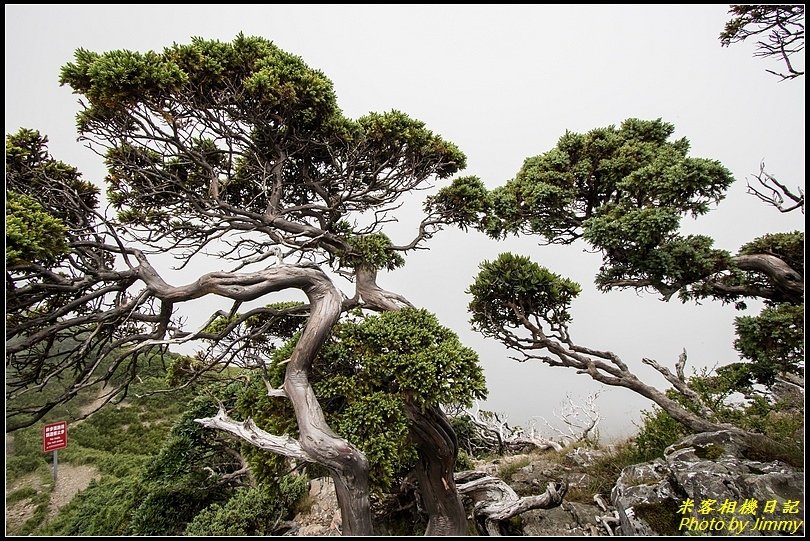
x: 19, y: 512
x: 70, y: 481
x: 96, y: 403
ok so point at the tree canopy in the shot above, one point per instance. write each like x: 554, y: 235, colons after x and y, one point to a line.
x: 624, y: 191
x: 242, y: 137
x: 238, y: 146
x: 236, y: 152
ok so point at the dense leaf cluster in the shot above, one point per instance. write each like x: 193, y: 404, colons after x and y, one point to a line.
x: 368, y: 374
x: 513, y: 290
x: 202, y: 131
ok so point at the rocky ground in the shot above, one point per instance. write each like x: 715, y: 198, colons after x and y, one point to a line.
x: 713, y: 470
x: 321, y: 516
x: 528, y: 474
x: 644, y: 501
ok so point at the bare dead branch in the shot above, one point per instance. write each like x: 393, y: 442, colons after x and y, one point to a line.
x: 248, y: 431
x: 493, y: 501
x: 769, y: 190
x: 778, y: 30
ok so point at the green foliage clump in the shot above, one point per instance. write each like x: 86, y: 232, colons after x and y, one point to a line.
x: 464, y: 203
x: 384, y: 364
x: 622, y: 189
x: 38, y: 215
x: 658, y: 431
x: 373, y: 250
x: 176, y: 486
x: 55, y: 185
x: 32, y: 234
x: 408, y: 352
x: 220, y: 324
x: 604, y: 171
x: 103, y: 509
x: 464, y: 462
x: 513, y: 287
x: 641, y: 246
x: 251, y: 511
x: 378, y: 424
x: 27, y: 456
x: 278, y: 319
x: 772, y: 342
x: 394, y: 129
x: 117, y: 78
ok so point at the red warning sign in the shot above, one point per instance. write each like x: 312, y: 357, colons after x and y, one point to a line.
x: 54, y: 436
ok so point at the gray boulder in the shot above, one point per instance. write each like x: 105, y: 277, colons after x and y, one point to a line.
x: 709, y: 469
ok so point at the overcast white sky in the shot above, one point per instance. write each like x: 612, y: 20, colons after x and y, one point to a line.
x: 502, y: 82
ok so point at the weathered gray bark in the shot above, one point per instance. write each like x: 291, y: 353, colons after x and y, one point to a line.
x: 248, y: 431
x: 437, y: 448
x: 493, y: 501
x: 785, y: 279
x: 347, y: 465
x: 608, y: 368
x: 373, y: 296
x: 785, y: 284
x: 615, y: 373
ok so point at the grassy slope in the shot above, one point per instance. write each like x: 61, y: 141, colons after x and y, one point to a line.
x: 117, y: 441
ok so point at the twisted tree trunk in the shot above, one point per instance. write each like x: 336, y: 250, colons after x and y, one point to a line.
x: 318, y: 442
x: 437, y: 448
x: 430, y: 432
x: 348, y: 466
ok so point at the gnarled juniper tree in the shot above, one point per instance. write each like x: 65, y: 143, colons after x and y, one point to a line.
x: 624, y: 191
x: 236, y: 151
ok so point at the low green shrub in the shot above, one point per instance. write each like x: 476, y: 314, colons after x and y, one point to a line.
x: 251, y: 511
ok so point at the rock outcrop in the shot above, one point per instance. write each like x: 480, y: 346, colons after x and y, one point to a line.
x: 651, y: 499
x: 710, y: 483
x: 322, y: 516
